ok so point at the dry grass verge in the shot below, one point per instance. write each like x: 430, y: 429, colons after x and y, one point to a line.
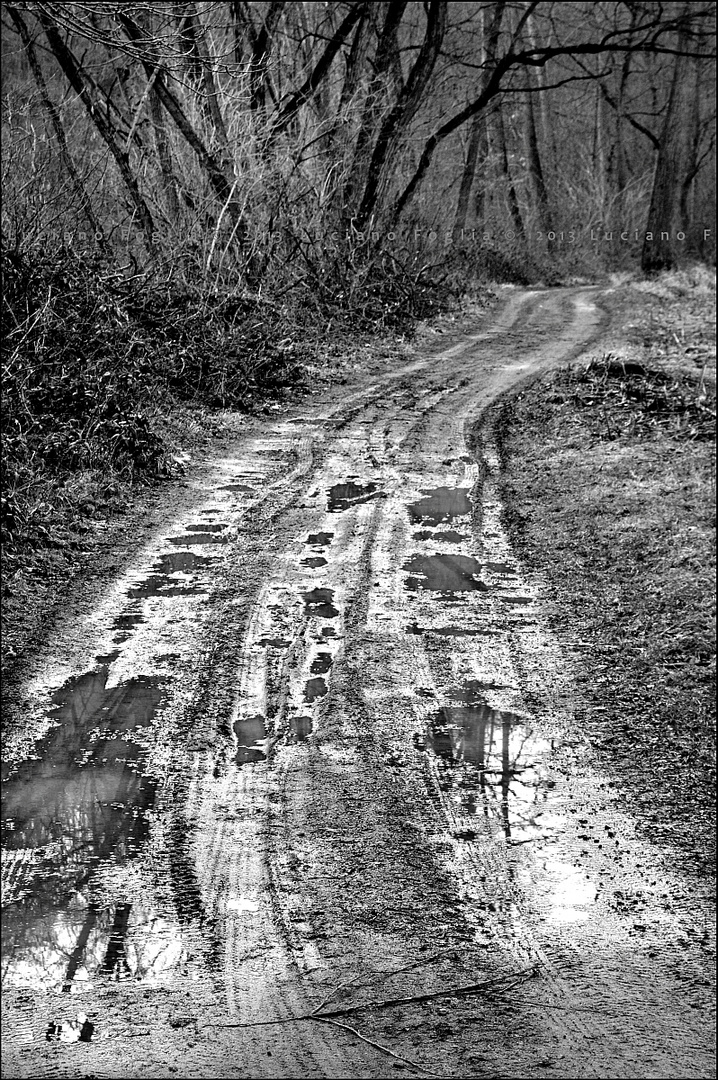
x: 609, y: 484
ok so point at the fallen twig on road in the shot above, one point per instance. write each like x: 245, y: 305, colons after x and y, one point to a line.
x: 488, y: 985
x: 376, y: 1045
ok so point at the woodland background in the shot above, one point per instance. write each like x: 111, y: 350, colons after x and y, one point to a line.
x: 197, y: 194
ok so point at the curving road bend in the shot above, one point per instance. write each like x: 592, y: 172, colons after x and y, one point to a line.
x: 315, y: 750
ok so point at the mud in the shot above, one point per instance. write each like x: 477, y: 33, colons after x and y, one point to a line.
x: 332, y: 762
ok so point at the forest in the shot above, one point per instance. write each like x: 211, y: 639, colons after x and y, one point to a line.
x: 194, y: 193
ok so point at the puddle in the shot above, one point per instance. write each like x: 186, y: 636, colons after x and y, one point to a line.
x: 318, y: 602
x: 251, y: 740
x: 490, y: 763
x: 440, y: 504
x: 195, y: 538
x: 182, y: 561
x: 273, y: 642
x: 129, y: 621
x: 444, y: 573
x: 516, y: 599
x: 73, y: 814
x: 448, y: 631
x: 315, y: 688
x: 450, y: 535
x: 163, y: 585
x: 321, y: 539
x: 314, y: 562
x: 322, y: 664
x: 342, y: 496
x: 107, y: 658
x: 202, y: 527
x: 300, y: 728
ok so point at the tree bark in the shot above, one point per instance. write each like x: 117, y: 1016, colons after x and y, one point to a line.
x: 222, y: 184
x: 397, y: 122
x: 660, y: 248
x: 478, y: 148
x: 69, y: 65
x: 56, y: 122
x: 511, y: 196
x: 533, y: 155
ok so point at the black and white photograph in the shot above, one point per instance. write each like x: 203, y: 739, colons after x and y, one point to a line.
x: 358, y: 539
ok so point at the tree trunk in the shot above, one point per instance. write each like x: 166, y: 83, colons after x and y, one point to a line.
x: 533, y: 155
x: 398, y: 120
x: 512, y: 198
x: 478, y: 149
x: 477, y: 144
x: 56, y: 122
x: 70, y: 67
x: 660, y: 248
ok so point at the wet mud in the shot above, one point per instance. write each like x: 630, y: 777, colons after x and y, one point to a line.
x: 326, y: 757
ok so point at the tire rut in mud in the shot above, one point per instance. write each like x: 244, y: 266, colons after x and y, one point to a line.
x: 355, y: 781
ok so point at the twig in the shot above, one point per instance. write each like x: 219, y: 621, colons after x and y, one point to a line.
x: 468, y: 988
x: 385, y: 973
x: 386, y: 1003
x: 376, y: 1045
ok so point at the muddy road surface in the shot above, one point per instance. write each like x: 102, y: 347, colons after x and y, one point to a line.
x: 301, y: 794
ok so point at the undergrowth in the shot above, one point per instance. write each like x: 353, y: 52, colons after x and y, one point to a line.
x: 95, y: 363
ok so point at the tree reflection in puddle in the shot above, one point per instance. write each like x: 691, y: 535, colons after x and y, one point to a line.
x: 75, y: 817
x: 490, y: 763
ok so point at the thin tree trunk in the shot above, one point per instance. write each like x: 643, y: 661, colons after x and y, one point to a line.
x: 512, y: 198
x: 535, y: 169
x: 67, y: 62
x: 477, y: 142
x: 209, y: 94
x: 692, y: 162
x: 397, y: 121
x: 216, y: 172
x: 478, y: 149
x: 56, y: 121
x: 660, y: 248
x: 164, y: 156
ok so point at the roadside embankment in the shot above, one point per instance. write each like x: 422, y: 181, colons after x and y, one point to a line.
x: 609, y: 488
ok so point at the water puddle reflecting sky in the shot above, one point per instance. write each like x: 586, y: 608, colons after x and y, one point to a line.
x: 440, y: 505
x: 449, y: 536
x: 342, y: 496
x: 197, y: 538
x: 320, y: 603
x: 75, y: 817
x: 251, y: 735
x: 320, y: 539
x: 444, y: 573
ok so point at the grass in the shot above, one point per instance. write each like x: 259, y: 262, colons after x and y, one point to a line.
x: 609, y: 487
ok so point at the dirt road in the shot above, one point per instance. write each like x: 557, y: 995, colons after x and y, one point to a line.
x: 314, y: 750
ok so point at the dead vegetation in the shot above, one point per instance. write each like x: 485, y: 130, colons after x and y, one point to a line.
x: 610, y: 490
